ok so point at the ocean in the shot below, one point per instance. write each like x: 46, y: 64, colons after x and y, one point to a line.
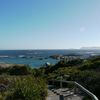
x: 37, y: 58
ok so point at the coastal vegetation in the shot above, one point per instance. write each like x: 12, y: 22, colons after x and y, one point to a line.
x: 84, y: 71
x: 21, y: 82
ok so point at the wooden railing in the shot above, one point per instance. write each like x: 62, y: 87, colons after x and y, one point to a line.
x: 86, y: 91
x: 93, y: 97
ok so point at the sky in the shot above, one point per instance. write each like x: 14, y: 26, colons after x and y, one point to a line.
x: 49, y: 24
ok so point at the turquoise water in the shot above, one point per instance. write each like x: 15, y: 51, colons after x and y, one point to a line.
x: 37, y: 58
x: 30, y: 61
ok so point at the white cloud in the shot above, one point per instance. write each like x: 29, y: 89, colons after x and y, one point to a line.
x: 82, y: 29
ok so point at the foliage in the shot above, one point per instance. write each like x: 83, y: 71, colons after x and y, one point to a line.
x: 24, y: 88
x: 16, y: 70
x: 86, y: 72
x: 28, y: 88
x: 24, y: 83
x: 64, y: 63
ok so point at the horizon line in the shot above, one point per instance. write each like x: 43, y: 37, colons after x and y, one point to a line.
x: 41, y: 49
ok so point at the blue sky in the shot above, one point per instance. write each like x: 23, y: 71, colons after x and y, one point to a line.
x: 49, y: 24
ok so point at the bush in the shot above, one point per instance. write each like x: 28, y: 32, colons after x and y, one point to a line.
x: 28, y: 88
x: 19, y: 70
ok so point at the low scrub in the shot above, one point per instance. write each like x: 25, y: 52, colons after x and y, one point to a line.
x: 25, y: 88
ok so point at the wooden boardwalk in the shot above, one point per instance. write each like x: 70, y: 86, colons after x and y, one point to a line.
x: 52, y: 96
x: 67, y: 95
x: 74, y: 97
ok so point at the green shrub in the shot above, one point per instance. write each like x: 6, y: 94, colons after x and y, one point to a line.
x: 19, y: 70
x: 28, y: 88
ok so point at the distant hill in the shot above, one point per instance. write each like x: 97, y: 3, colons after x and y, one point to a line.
x: 90, y: 48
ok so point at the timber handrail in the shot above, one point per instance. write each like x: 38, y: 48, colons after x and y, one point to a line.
x: 87, y: 91
x: 80, y: 86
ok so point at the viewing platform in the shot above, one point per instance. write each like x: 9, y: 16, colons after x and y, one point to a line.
x: 71, y: 91
x: 56, y: 94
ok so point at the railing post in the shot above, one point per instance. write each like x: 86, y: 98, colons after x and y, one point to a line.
x: 61, y: 82
x: 61, y: 97
x: 75, y: 89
